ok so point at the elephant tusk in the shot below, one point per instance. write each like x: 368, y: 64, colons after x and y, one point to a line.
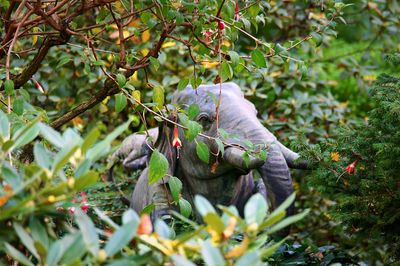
x: 235, y: 157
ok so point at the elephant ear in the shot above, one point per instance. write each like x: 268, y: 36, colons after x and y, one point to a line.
x: 134, y: 152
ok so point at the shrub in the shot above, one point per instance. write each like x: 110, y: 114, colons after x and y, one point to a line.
x: 360, y: 171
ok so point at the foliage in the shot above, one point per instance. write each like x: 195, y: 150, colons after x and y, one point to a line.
x: 359, y: 171
x: 31, y: 203
x: 89, y: 66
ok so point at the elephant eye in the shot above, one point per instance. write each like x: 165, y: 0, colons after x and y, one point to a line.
x: 204, y: 118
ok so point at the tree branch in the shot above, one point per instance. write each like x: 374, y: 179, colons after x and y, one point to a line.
x: 34, y: 65
x: 110, y: 87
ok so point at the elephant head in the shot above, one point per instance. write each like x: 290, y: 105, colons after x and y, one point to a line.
x: 227, y: 177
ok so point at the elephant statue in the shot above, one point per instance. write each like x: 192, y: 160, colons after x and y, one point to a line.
x: 231, y: 182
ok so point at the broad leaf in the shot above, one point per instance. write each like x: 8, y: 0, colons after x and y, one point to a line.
x: 88, y: 231
x: 175, y: 185
x: 258, y: 58
x: 158, y: 166
x: 203, y: 152
x: 121, y: 238
x: 211, y: 255
x: 255, y: 209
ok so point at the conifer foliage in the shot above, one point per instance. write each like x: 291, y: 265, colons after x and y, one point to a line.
x: 361, y: 172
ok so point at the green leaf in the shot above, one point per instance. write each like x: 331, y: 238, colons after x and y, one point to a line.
x: 154, y: 63
x: 203, y: 152
x: 26, y: 239
x: 184, y: 207
x: 51, y: 135
x: 158, y: 96
x: 158, y: 167
x: 88, y: 231
x: 18, y: 106
x: 103, y: 13
x: 181, y: 261
x: 9, y: 87
x: 273, y: 219
x: 130, y: 215
x: 255, y: 209
x: 249, y: 258
x: 148, y: 209
x: 105, y: 218
x: 288, y: 221
x: 258, y: 58
x: 226, y: 71
x: 55, y: 253
x: 4, y: 126
x: 221, y: 147
x: 42, y: 157
x: 17, y: 255
x: 120, y: 102
x: 203, y: 206
x: 212, y: 219
x: 193, y: 130
x: 183, y: 83
x: 62, y: 157
x: 284, y: 205
x: 212, y: 256
x: 121, y: 238
x: 63, y: 61
x: 195, y: 82
x: 74, y: 248
x: 86, y: 180
x: 317, y: 38
x: 90, y: 139
x: 246, y: 158
x: 175, y: 185
x: 193, y: 111
x: 270, y: 250
x: 99, y: 63
x: 234, y: 57
x: 163, y: 230
x: 39, y: 233
x: 24, y: 93
x: 25, y: 135
x: 121, y: 79
x: 103, y: 146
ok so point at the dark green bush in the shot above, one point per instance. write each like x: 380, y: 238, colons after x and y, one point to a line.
x: 360, y: 171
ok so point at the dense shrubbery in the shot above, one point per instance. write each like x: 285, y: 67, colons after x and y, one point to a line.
x: 360, y: 172
x: 39, y: 213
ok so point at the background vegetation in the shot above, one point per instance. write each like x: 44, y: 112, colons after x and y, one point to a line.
x: 74, y: 72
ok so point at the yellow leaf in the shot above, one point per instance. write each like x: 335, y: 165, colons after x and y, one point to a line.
x: 168, y: 44
x: 35, y: 37
x: 230, y: 229
x: 238, y: 250
x: 153, y: 241
x: 134, y: 77
x: 209, y: 64
x: 226, y: 43
x: 144, y: 51
x: 146, y: 36
x: 136, y: 96
x: 275, y: 74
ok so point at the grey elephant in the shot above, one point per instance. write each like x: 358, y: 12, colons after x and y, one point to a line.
x: 231, y: 182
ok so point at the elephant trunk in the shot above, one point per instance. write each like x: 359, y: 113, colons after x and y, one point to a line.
x: 237, y: 158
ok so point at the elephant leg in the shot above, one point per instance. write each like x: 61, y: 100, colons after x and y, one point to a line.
x: 145, y: 194
x: 260, y: 188
x: 276, y: 175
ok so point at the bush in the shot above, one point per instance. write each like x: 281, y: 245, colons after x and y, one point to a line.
x: 360, y: 172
